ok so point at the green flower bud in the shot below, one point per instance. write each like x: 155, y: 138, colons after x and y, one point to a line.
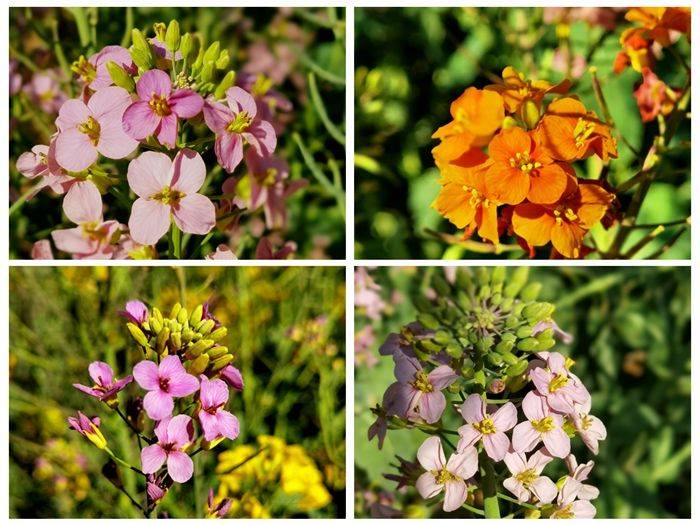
x: 440, y: 285
x: 537, y: 312
x: 218, y: 334
x: 530, y: 114
x: 422, y: 303
x: 120, y: 77
x: 182, y: 316
x: 176, y: 340
x: 517, y: 368
x: 223, y: 60
x: 524, y: 331
x: 480, y: 377
x: 156, y: 314
x: 464, y: 301
x: 442, y: 337
x: 206, y: 326
x: 207, y: 73
x: 198, y: 365
x: 186, y: 45
x: 496, y: 299
x: 516, y: 281
x: 217, y: 351
x: 530, y: 292
x: 199, y: 347
x: 508, y: 336
x: 467, y: 370
x: 428, y: 321
x: 482, y: 275
x: 187, y: 335
x: 454, y: 350
x: 464, y: 280
x: 506, y: 304
x: 212, y: 52
x: 528, y: 345
x: 221, y: 362
x: 155, y: 325
x: 137, y: 334
x: 494, y: 358
x: 159, y: 29
x: 498, y: 276
x: 545, y: 344
x: 485, y: 292
x: 484, y: 344
x: 196, y: 315
x: 199, y: 61
x: 512, y: 321
x: 162, y: 339
x: 172, y: 36
x: 509, y: 358
x: 226, y: 82
x: 176, y: 310
x: 505, y: 347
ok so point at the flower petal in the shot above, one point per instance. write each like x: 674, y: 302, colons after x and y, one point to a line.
x: 525, y: 437
x: 240, y: 100
x: 505, y: 417
x: 195, y: 214
x: 166, y: 132
x: 74, y: 150
x: 427, y: 487
x: 149, y: 173
x: 228, y: 424
x: 442, y: 377
x: 101, y: 373
x: 139, y: 120
x: 83, y: 203
x: 544, y: 489
x: 73, y: 112
x: 149, y: 221
x: 455, y: 495
x: 180, y: 430
x: 180, y: 466
x: 473, y: 409
x: 153, y: 82
x: 464, y: 464
x: 496, y: 445
x: 186, y: 103
x: 212, y: 392
x: 73, y: 241
x: 431, y: 405
x: 229, y: 150
x: 189, y: 171
x: 152, y: 458
x: 430, y: 454
x: 158, y: 405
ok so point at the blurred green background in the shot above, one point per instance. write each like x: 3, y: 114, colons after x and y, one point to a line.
x: 285, y: 326
x: 631, y: 329
x: 288, y: 45
x: 411, y: 63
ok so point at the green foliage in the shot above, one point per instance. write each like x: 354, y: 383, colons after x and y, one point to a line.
x: 631, y: 347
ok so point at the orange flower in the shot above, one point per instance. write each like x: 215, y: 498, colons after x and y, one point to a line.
x: 654, y: 97
x: 516, y: 90
x: 569, y: 132
x: 564, y: 223
x: 520, y: 169
x: 661, y: 22
x: 636, y: 51
x: 466, y: 201
x: 477, y: 115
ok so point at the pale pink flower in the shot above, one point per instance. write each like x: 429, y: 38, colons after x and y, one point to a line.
x: 94, y: 72
x: 35, y: 164
x: 84, y: 130
x: 580, y: 473
x: 159, y: 107
x: 106, y: 386
x: 168, y: 188
x: 128, y: 248
x: 561, y: 388
x: 235, y: 124
x: 449, y: 476
x: 164, y: 382
x: 367, y: 297
x: 135, y: 312
x: 92, y: 239
x: 526, y: 479
x: 42, y: 250
x: 216, y: 422
x: 222, y: 253
x: 542, y: 425
x: 589, y: 427
x: 44, y: 91
x: 567, y: 506
x: 174, y: 436
x: 489, y: 428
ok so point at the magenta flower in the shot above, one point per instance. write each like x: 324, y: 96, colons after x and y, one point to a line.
x: 580, y: 473
x: 590, y: 428
x: 84, y: 130
x: 44, y: 91
x: 489, y: 428
x: 235, y: 124
x: 164, y: 382
x: 158, y: 108
x: 168, y: 188
x: 220, y: 509
x: 156, y: 488
x: 423, y: 390
x: 525, y: 480
x: 93, y: 72
x: 105, y: 387
x: 265, y: 250
x: 34, y: 164
x: 449, y: 476
x: 542, y: 425
x: 232, y: 377
x: 135, y: 312
x: 92, y: 239
x: 174, y: 436
x: 561, y: 388
x: 216, y: 422
x: 568, y: 506
x: 89, y: 429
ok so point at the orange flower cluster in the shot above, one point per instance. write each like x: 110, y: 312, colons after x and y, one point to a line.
x: 505, y: 148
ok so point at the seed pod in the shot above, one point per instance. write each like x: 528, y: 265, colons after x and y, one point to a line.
x: 120, y: 77
x: 530, y: 292
x: 218, y: 334
x: 137, y: 334
x: 528, y: 345
x: 172, y: 36
x: 198, y: 366
x: 221, y: 362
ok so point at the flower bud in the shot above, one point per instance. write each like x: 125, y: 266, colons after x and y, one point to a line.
x: 523, y: 332
x: 176, y: 340
x: 440, y: 285
x: 206, y: 326
x: 222, y: 362
x: 196, y: 315
x: 517, y: 368
x: 528, y: 345
x: 212, y: 52
x: 141, y: 50
x: 200, y: 346
x: 155, y: 325
x: 182, y: 316
x: 225, y: 83
x: 530, y: 114
x: 162, y: 339
x: 218, y: 334
x: 207, y: 73
x: 530, y: 292
x: 496, y: 386
x: 186, y: 45
x: 217, y: 351
x: 159, y: 29
x: 172, y: 36
x: 176, y: 310
x: 120, y: 77
x: 516, y: 281
x: 428, y: 321
x: 509, y: 122
x: 137, y: 334
x: 223, y: 60
x: 198, y: 365
x: 537, y: 312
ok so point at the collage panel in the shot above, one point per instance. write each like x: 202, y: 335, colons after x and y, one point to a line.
x: 522, y: 392
x: 177, y: 133
x: 522, y: 132
x: 177, y: 392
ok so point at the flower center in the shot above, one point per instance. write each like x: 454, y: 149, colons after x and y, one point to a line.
x: 422, y: 382
x: 475, y: 198
x: 92, y: 230
x: 443, y: 476
x: 159, y: 105
x: 164, y: 383
x: 84, y: 69
x: 261, y: 86
x: 239, y: 124
x: 168, y: 196
x: 583, y: 129
x: 485, y: 426
x: 91, y: 128
x: 526, y: 477
x: 559, y: 381
x: 586, y: 422
x: 525, y: 163
x: 270, y: 177
x: 543, y: 425
x: 565, y: 512
x: 564, y: 213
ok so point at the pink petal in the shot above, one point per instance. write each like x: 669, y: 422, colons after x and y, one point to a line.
x: 427, y: 487
x: 568, y: 491
x: 210, y: 425
x: 139, y: 121
x: 109, y: 103
x: 229, y: 150
x: 431, y: 405
x: 455, y: 495
x: 505, y: 417
x: 442, y: 377
x: 468, y: 437
x: 152, y: 458
x: 182, y: 385
x: 166, y: 132
x: 149, y: 173
x: 517, y: 489
x: 430, y: 454
x: 180, y: 466
x: 541, y: 378
x: 189, y: 171
x: 116, y: 54
x: 544, y: 489
x: 73, y: 112
x: 87, y: 390
x: 525, y: 437
x: 406, y: 368
x: 213, y: 393
x: 195, y: 214
x: 516, y: 462
x: 29, y: 163
x: 114, y: 143
x: 240, y: 100
x: 149, y: 221
x: 170, y: 367
x: 583, y: 509
x: 228, y: 424
x: 539, y: 460
x: 464, y: 464
x: 186, y: 103
x: 73, y: 241
x: 83, y: 203
x: 261, y: 136
x: 101, y: 373
x: 473, y: 409
x: 535, y: 406
x: 556, y: 363
x: 217, y: 116
x: 588, y: 492
x: 42, y: 250
x: 74, y: 150
x: 161, y: 430
x: 158, y: 404
x: 180, y: 430
x: 496, y: 445
x: 153, y: 82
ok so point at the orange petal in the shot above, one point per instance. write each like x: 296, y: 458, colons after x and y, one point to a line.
x: 487, y: 220
x: 507, y: 185
x: 555, y: 135
x: 453, y: 202
x: 594, y: 203
x: 533, y: 223
x: 549, y: 185
x: 508, y: 142
x: 567, y: 239
x: 452, y: 148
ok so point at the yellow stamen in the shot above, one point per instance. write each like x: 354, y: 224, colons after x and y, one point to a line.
x: 543, y: 425
x: 558, y: 382
x: 422, y: 383
x: 526, y: 477
x: 159, y: 105
x: 92, y: 129
x: 485, y: 426
x: 168, y: 196
x: 240, y: 124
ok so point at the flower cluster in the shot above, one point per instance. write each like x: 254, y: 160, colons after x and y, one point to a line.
x: 506, y: 147
x: 186, y: 376
x: 480, y: 353
x: 248, y: 475
x: 173, y: 96
x: 655, y: 28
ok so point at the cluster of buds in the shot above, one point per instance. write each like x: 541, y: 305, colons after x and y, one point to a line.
x: 480, y: 348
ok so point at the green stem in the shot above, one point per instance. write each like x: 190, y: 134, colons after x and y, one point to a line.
x: 82, y: 25
x: 122, y: 462
x: 175, y: 245
x: 473, y: 509
x: 320, y: 107
x: 491, y: 509
x: 17, y: 205
x: 517, y: 502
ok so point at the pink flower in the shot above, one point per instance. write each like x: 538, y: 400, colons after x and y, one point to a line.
x: 449, y: 476
x: 567, y: 506
x: 44, y: 91
x: 580, y: 473
x: 174, y: 435
x: 164, y: 382
x: 94, y: 73
x: 105, y: 387
x: 216, y: 422
x: 232, y: 377
x: 220, y: 509
x: 654, y: 97
x: 42, y: 250
x: 265, y: 250
x: 235, y: 124
x: 15, y: 77
x: 86, y: 130
x: 561, y: 388
x: 367, y: 295
x: 92, y: 239
x: 423, y: 390
x: 168, y: 188
x: 590, y: 428
x: 159, y: 107
x: 135, y: 312
x: 525, y: 480
x: 542, y: 425
x: 403, y: 341
x: 222, y: 253
x: 490, y: 428
x: 35, y: 164
x: 89, y: 428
